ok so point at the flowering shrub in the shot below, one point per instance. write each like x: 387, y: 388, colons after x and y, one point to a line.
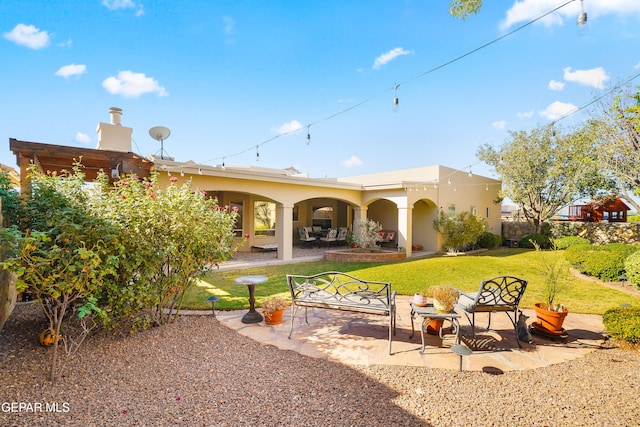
x: 123, y: 251
x: 174, y: 236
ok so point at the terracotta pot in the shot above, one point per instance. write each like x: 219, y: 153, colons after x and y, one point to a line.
x: 420, y: 300
x: 442, y: 307
x: 273, y: 317
x: 434, y: 325
x: 550, y: 320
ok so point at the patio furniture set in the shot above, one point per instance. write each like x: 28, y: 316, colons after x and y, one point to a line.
x: 340, y: 291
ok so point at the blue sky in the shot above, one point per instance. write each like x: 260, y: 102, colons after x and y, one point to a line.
x: 227, y: 77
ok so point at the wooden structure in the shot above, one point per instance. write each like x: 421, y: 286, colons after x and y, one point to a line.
x: 599, y: 210
x: 56, y: 158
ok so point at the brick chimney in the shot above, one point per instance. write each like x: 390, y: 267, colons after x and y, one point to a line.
x: 113, y: 136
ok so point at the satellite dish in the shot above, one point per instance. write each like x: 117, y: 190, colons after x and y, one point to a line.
x: 160, y: 133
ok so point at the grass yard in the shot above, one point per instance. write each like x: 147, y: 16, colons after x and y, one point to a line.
x: 409, y: 276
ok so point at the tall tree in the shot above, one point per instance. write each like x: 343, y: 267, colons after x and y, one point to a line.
x: 543, y: 171
x: 464, y: 8
x: 618, y: 121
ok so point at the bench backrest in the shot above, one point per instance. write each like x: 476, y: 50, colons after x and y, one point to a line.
x: 501, y: 291
x: 337, y: 288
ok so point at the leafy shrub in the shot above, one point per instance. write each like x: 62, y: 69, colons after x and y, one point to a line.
x: 459, y: 232
x: 366, y: 233
x: 568, y: 241
x: 606, y: 262
x: 623, y: 323
x: 632, y: 268
x: 489, y: 240
x: 541, y: 239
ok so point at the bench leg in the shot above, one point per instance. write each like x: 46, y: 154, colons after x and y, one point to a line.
x: 293, y: 315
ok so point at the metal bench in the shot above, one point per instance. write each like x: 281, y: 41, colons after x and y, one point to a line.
x: 339, y: 291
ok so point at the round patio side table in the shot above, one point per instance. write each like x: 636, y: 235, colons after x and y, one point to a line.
x: 252, y: 316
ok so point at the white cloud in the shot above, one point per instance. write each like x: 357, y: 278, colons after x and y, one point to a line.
x: 229, y: 24
x: 354, y: 161
x: 68, y: 43
x: 123, y: 4
x: 71, y: 70
x: 526, y: 114
x: 526, y: 10
x: 132, y: 85
x: 500, y: 124
x: 82, y: 137
x: 389, y: 56
x: 29, y: 36
x: 557, y: 110
x: 594, y: 77
x: 290, y: 127
x: 554, y: 85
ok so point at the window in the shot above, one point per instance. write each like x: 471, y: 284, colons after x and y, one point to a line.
x: 488, y: 212
x: 264, y: 218
x: 452, y: 210
x: 322, y: 217
x: 237, y: 230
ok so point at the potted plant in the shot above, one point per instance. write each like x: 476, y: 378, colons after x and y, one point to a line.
x: 444, y: 297
x: 549, y: 314
x: 420, y: 298
x: 273, y: 309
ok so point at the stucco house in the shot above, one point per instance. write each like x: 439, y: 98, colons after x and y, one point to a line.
x: 274, y: 203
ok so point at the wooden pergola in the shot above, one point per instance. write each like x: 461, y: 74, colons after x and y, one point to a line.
x: 56, y: 158
x: 599, y: 210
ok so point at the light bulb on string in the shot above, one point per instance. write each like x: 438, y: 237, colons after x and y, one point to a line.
x: 470, y: 174
x: 582, y: 17
x: 223, y: 163
x: 308, y: 135
x: 396, y: 101
x: 181, y: 172
x: 257, y: 154
x: 199, y: 171
x: 449, y: 181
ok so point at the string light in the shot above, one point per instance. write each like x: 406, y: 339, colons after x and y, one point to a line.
x: 418, y: 76
x: 199, y: 171
x: 396, y: 101
x: 257, y: 154
x: 181, y: 172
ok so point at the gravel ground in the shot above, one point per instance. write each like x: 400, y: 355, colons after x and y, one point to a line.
x: 197, y: 372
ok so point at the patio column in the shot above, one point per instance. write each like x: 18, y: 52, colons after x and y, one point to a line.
x: 284, y: 232
x: 359, y: 214
x: 405, y: 225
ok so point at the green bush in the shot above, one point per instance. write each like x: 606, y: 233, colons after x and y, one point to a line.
x: 541, y: 239
x: 568, y: 241
x: 623, y: 323
x: 489, y: 240
x: 632, y: 268
x: 606, y: 262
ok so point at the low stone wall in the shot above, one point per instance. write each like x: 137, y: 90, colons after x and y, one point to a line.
x: 353, y: 255
x: 516, y: 230
x: 599, y: 233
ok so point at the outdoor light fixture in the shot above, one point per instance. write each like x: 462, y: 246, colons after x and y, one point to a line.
x: 308, y: 135
x: 257, y: 154
x: 582, y: 18
x: 115, y: 173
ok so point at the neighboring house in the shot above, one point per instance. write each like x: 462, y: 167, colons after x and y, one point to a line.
x: 274, y: 203
x: 599, y: 210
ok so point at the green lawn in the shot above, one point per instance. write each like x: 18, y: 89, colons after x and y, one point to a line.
x: 407, y: 277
